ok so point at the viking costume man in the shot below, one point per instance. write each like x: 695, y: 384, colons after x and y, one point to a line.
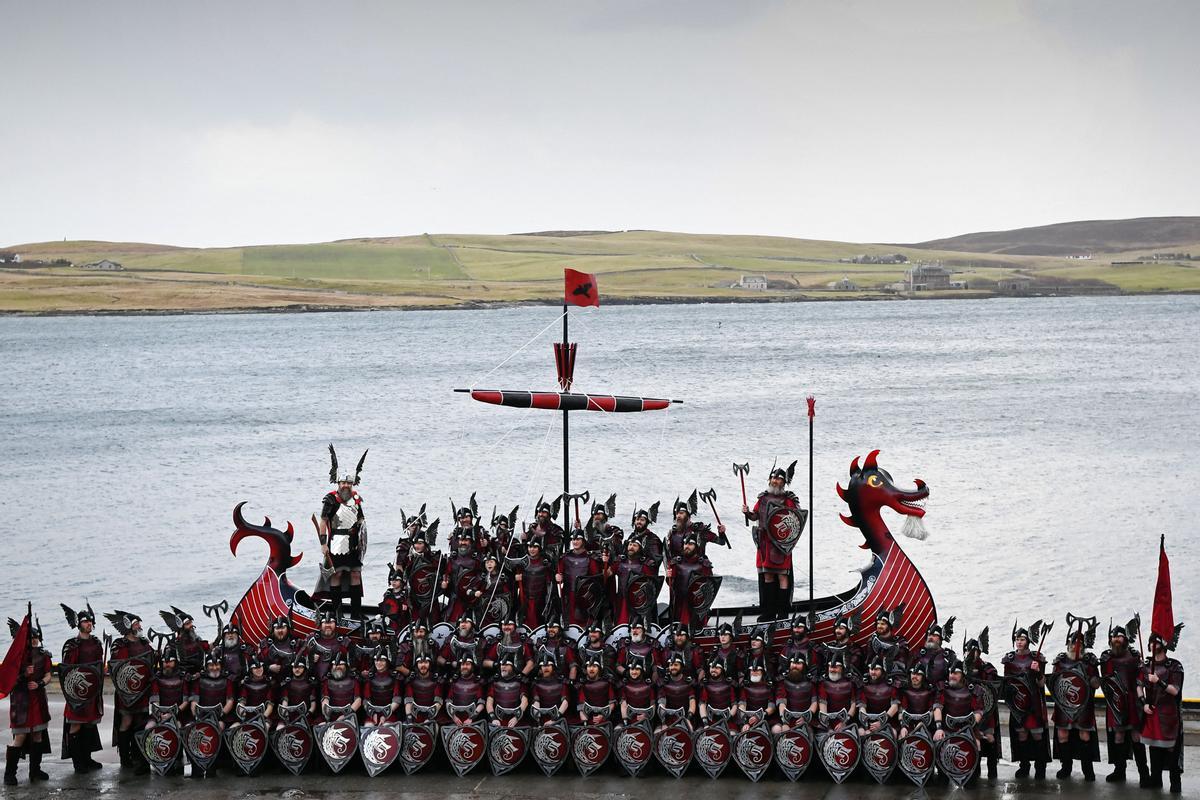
x: 465, y: 694
x: 189, y: 646
x: 779, y: 520
x: 1024, y: 686
x: 718, y: 694
x: 652, y: 545
x: 343, y: 533
x: 278, y: 651
x: 936, y: 657
x: 918, y: 696
x: 462, y: 579
x: 601, y: 536
x: 684, y: 568
x: 81, y: 675
x: 535, y: 579
x: 214, y: 690
x: 1119, y: 668
x: 798, y: 642
x: 595, y: 693
x: 322, y: 646
x: 886, y: 644
x: 510, y: 644
x: 555, y: 646
x: 418, y: 645
x: 680, y: 644
x: 1160, y: 687
x: 756, y: 698
x: 235, y: 655
x: 497, y: 601
x: 299, y: 688
x: 425, y: 573
x: 727, y: 651
x: 256, y: 690
x: 362, y: 655
x: 28, y: 708
x: 506, y: 696
x: 382, y: 689
x: 795, y: 694
x: 462, y: 645
x: 1073, y: 682
x: 394, y: 606
x: 837, y: 692
x: 626, y: 570
x: 422, y: 692
x: 170, y: 693
x: 131, y: 667
x: 576, y: 563
x: 341, y: 694
x: 467, y: 525
x: 842, y: 645
x: 550, y: 700
x: 677, y: 694
x: 593, y: 647
x: 637, y: 693
x: 546, y: 529
x: 985, y: 681
x: 879, y: 696
x: 685, y: 526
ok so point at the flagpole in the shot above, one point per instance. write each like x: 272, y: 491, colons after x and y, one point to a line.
x: 566, y: 429
x: 812, y: 413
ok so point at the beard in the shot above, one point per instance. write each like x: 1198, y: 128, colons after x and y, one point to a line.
x: 775, y: 490
x: 345, y: 494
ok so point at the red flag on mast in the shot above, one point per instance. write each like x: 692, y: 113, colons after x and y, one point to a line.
x: 1163, y: 621
x: 10, y: 668
x: 581, y: 289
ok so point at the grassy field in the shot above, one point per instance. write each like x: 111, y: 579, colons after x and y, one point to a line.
x: 458, y: 269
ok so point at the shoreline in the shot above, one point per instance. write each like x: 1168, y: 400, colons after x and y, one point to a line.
x: 313, y: 308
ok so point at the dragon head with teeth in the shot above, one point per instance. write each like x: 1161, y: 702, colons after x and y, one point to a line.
x: 871, y: 489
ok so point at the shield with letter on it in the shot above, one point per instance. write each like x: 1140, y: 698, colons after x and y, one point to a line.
x: 784, y: 527
x: 673, y: 747
x: 642, y: 595
x: 551, y: 744
x: 702, y: 592
x: 753, y: 751
x: 423, y: 582
x: 917, y: 757
x: 420, y: 742
x: 880, y: 753
x: 793, y: 751
x: 633, y: 747
x: 590, y: 595
x: 132, y: 677
x: 293, y: 746
x: 987, y: 692
x: 958, y: 756
x: 1071, y: 690
x: 464, y: 745
x: 590, y: 745
x: 202, y: 743
x: 338, y: 741
x: 247, y: 745
x: 1019, y: 693
x: 161, y: 745
x: 507, y: 748
x: 712, y: 747
x: 840, y: 751
x: 1117, y: 700
x: 81, y: 684
x: 380, y: 746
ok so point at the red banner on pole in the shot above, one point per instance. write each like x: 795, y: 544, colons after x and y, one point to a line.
x: 581, y: 289
x: 10, y: 668
x: 1163, y: 621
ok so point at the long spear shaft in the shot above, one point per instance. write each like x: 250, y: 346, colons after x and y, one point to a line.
x: 812, y: 413
x: 566, y: 427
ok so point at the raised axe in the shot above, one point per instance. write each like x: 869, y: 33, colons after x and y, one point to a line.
x: 216, y: 610
x: 710, y: 497
x: 581, y: 497
x: 742, y: 470
x: 158, y: 639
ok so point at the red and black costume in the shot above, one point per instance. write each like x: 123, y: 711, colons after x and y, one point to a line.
x: 592, y: 647
x: 299, y: 690
x: 837, y: 694
x: 637, y: 695
x: 985, y: 681
x: 81, y: 672
x: 718, y: 697
x: 1162, y: 723
x: 794, y: 695
x: 887, y: 645
x: 1074, y: 680
x: 625, y: 569
x: 575, y: 564
x: 546, y: 529
x: 28, y: 708
x: 423, y: 690
x: 462, y: 645
x: 535, y: 579
x: 686, y: 651
x: 548, y: 693
x: 644, y: 648
x: 773, y: 557
x: 683, y: 569
x: 507, y: 694
x: 463, y: 577
x: 381, y: 689
x: 465, y: 696
x: 879, y: 696
x: 935, y: 657
x: 340, y: 692
x: 1024, y: 687
x: 651, y: 544
x: 799, y: 643
x: 320, y: 649
x: 510, y: 644
x: 343, y: 532
x: 558, y: 648
x: 596, y: 696
x: 676, y: 693
x: 1119, y: 669
x: 278, y: 651
x: 756, y: 699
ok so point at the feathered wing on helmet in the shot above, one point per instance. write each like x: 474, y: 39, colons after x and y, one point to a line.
x: 791, y: 472
x: 172, y: 619
x: 610, y: 505
x: 983, y: 640
x: 948, y: 630
x: 431, y: 533
x: 13, y: 627
x: 653, y: 512
x: 358, y: 469
x: 333, y: 464
x: 121, y: 620
x: 512, y: 518
x: 72, y: 618
x: 473, y: 504
x: 693, y: 501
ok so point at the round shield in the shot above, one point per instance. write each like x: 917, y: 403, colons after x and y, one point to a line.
x: 753, y: 752
x: 880, y: 754
x: 441, y: 632
x: 793, y: 752
x: 1117, y: 699
x: 712, y: 747
x: 379, y: 747
x: 589, y: 594
x: 422, y: 580
x: 160, y: 746
x: 131, y: 680
x: 81, y: 685
x: 590, y: 746
x: 507, y: 748
x: 784, y: 527
x: 247, y: 746
x: 419, y: 745
x: 633, y: 748
x: 465, y: 746
x: 702, y: 591
x: 293, y: 746
x: 550, y: 746
x: 202, y: 743
x: 1071, y: 692
x: 337, y: 741
x: 957, y: 757
x: 1018, y: 695
x: 642, y: 595
x: 987, y: 698
x: 917, y: 758
x: 673, y: 748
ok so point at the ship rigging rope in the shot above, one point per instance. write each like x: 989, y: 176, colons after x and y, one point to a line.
x: 510, y: 356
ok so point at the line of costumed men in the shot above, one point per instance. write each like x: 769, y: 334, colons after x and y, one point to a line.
x: 573, y: 590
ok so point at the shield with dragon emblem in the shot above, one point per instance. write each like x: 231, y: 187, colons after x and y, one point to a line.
x: 633, y: 747
x: 642, y: 595
x: 590, y: 595
x: 752, y: 751
x: 839, y: 751
x: 590, y: 745
x: 987, y: 691
x: 380, y: 746
x: 793, y: 751
x: 338, y: 742
x: 202, y: 743
x: 784, y: 527
x: 880, y: 753
x: 958, y: 756
x: 469, y: 582
x: 293, y: 746
x: 551, y: 744
x: 711, y: 747
x: 1117, y: 700
x: 499, y: 606
x: 420, y: 742
x: 132, y: 677
x: 81, y: 684
x: 1071, y: 690
x: 465, y: 746
x: 161, y: 745
x: 1019, y: 693
x: 917, y: 757
x: 247, y: 745
x: 507, y: 748
x: 673, y: 747
x: 702, y: 592
x: 422, y: 583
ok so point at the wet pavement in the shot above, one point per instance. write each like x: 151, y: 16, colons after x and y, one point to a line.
x: 438, y: 781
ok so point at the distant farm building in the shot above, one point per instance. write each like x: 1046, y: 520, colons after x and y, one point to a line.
x: 10, y: 258
x: 844, y: 285
x: 1014, y: 285
x: 889, y: 258
x: 756, y: 283
x: 104, y: 264
x: 928, y: 278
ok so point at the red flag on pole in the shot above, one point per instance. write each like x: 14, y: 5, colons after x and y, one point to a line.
x: 10, y: 668
x: 581, y: 289
x: 1163, y: 621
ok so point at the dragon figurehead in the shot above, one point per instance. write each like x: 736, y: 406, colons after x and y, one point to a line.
x: 871, y: 489
x: 280, y: 542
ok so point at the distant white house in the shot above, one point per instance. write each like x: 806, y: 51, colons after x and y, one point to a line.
x: 105, y: 264
x: 757, y: 283
x: 844, y: 285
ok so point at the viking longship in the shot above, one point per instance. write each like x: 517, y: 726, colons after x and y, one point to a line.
x: 888, y: 582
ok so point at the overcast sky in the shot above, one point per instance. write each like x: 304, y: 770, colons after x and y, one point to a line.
x: 222, y: 123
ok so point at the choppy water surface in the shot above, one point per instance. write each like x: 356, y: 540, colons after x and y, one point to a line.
x: 1059, y: 437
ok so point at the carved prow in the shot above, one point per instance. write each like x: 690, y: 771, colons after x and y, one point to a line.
x: 279, y: 542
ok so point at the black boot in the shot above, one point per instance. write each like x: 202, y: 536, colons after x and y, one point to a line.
x: 991, y: 768
x: 1065, y: 771
x: 1023, y: 770
x: 335, y: 594
x: 124, y: 740
x: 1155, y: 779
x: 1089, y: 771
x: 1118, y: 773
x: 1176, y: 782
x: 35, y: 764
x: 355, y: 606
x: 11, y: 760
x: 1039, y: 770
x: 79, y: 759
x: 1139, y: 758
